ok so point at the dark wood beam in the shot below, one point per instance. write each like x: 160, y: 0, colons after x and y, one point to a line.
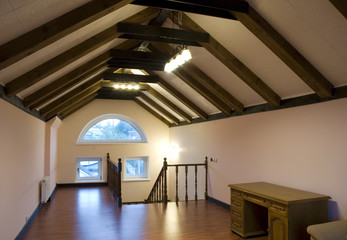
x: 139, y: 56
x: 151, y: 111
x: 201, y: 83
x: 286, y: 52
x: 169, y: 104
x: 66, y: 82
x: 52, y: 31
x: 76, y: 101
x: 203, y: 91
x: 52, y: 107
x: 214, y: 87
x: 340, y: 5
x: 76, y: 98
x: 159, y: 108
x: 35, y: 75
x: 137, y: 65
x: 161, y: 34
x: 111, y: 93
x: 76, y: 107
x: 234, y: 64
x: 170, y: 89
x: 122, y: 77
x: 211, y: 8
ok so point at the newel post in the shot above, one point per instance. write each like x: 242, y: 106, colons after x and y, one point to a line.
x: 206, y: 179
x: 119, y: 182
x: 165, y: 181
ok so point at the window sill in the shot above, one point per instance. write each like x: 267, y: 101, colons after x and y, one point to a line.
x: 136, y: 180
x: 88, y: 181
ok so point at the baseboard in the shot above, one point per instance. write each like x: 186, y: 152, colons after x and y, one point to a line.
x: 220, y: 203
x: 84, y: 184
x: 27, y: 224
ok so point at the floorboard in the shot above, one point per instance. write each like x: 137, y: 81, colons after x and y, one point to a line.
x: 90, y: 213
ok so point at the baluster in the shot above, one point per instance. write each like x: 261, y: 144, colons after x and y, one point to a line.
x: 206, y: 183
x: 176, y: 184
x: 119, y: 193
x: 165, y: 181
x: 196, y: 183
x: 186, y: 183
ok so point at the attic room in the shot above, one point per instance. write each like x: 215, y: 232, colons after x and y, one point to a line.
x: 263, y: 97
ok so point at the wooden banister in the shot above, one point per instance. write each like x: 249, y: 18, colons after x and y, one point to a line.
x: 159, y: 190
x: 114, y: 181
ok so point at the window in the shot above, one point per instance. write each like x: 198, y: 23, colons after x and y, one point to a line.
x: 136, y: 168
x: 112, y: 128
x: 88, y: 169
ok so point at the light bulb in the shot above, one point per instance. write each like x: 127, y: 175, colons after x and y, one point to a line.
x: 116, y: 86
x: 174, y: 64
x: 129, y: 87
x: 180, y: 59
x: 168, y: 67
x: 123, y: 86
x: 186, y: 54
x: 136, y: 87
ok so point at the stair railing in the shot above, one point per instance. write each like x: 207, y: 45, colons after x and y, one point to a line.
x: 159, y: 190
x: 114, y: 182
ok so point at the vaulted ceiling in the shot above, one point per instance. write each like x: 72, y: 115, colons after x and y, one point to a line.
x: 247, y: 56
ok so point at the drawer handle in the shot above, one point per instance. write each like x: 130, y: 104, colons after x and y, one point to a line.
x: 235, y: 224
x: 278, y: 207
x: 237, y: 204
x: 236, y: 214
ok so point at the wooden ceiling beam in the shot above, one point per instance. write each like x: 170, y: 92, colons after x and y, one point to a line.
x: 214, y: 87
x: 234, y: 64
x: 78, y: 101
x: 35, y: 75
x: 203, y: 91
x: 130, y: 56
x: 123, y: 77
x: 203, y: 84
x: 161, y: 34
x: 51, y: 107
x: 77, y: 107
x: 56, y: 29
x: 169, y: 104
x: 151, y: 111
x: 170, y: 89
x: 286, y: 52
x: 211, y: 8
x: 66, y: 82
x: 159, y: 108
x: 340, y: 5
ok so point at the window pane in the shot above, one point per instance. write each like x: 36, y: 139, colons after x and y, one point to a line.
x: 112, y: 129
x: 89, y: 169
x: 135, y: 167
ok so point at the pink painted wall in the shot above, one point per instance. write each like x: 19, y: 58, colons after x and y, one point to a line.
x: 302, y: 147
x: 22, y: 140
x: 157, y: 135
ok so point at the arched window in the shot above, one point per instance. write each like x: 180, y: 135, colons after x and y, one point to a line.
x: 112, y: 128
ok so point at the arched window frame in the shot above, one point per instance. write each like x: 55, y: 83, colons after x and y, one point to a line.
x: 111, y: 141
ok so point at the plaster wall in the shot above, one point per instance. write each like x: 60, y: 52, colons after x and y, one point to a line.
x: 22, y: 141
x: 302, y: 147
x: 157, y: 135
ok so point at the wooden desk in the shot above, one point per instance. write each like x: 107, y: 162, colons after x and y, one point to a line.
x: 281, y: 212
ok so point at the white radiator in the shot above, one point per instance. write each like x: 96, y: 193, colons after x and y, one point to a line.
x: 45, y: 189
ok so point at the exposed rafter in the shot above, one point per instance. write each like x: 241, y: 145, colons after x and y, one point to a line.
x: 35, y: 75
x: 340, y: 5
x: 159, y: 108
x: 65, y: 82
x: 286, y: 52
x: 169, y: 104
x: 208, y: 7
x: 161, y: 34
x: 151, y: 111
x: 44, y: 35
x: 234, y: 64
x: 76, y: 107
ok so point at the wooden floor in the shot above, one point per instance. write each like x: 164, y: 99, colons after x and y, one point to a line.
x: 90, y: 213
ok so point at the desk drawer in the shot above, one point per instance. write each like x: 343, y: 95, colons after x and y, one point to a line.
x: 237, y: 227
x: 236, y: 194
x: 236, y: 215
x: 278, y: 208
x: 236, y: 204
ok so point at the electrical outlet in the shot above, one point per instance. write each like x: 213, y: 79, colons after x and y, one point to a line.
x: 213, y: 159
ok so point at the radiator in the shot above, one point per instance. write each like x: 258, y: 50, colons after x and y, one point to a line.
x: 45, y: 189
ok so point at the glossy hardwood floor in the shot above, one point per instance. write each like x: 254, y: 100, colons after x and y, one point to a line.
x: 90, y: 213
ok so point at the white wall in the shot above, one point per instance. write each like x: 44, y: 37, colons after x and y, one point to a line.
x: 302, y: 147
x: 22, y: 139
x: 157, y: 135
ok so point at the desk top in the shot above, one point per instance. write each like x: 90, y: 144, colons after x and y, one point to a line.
x: 278, y: 193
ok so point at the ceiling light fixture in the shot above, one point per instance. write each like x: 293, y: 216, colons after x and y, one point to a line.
x: 124, y: 86
x: 182, y: 55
